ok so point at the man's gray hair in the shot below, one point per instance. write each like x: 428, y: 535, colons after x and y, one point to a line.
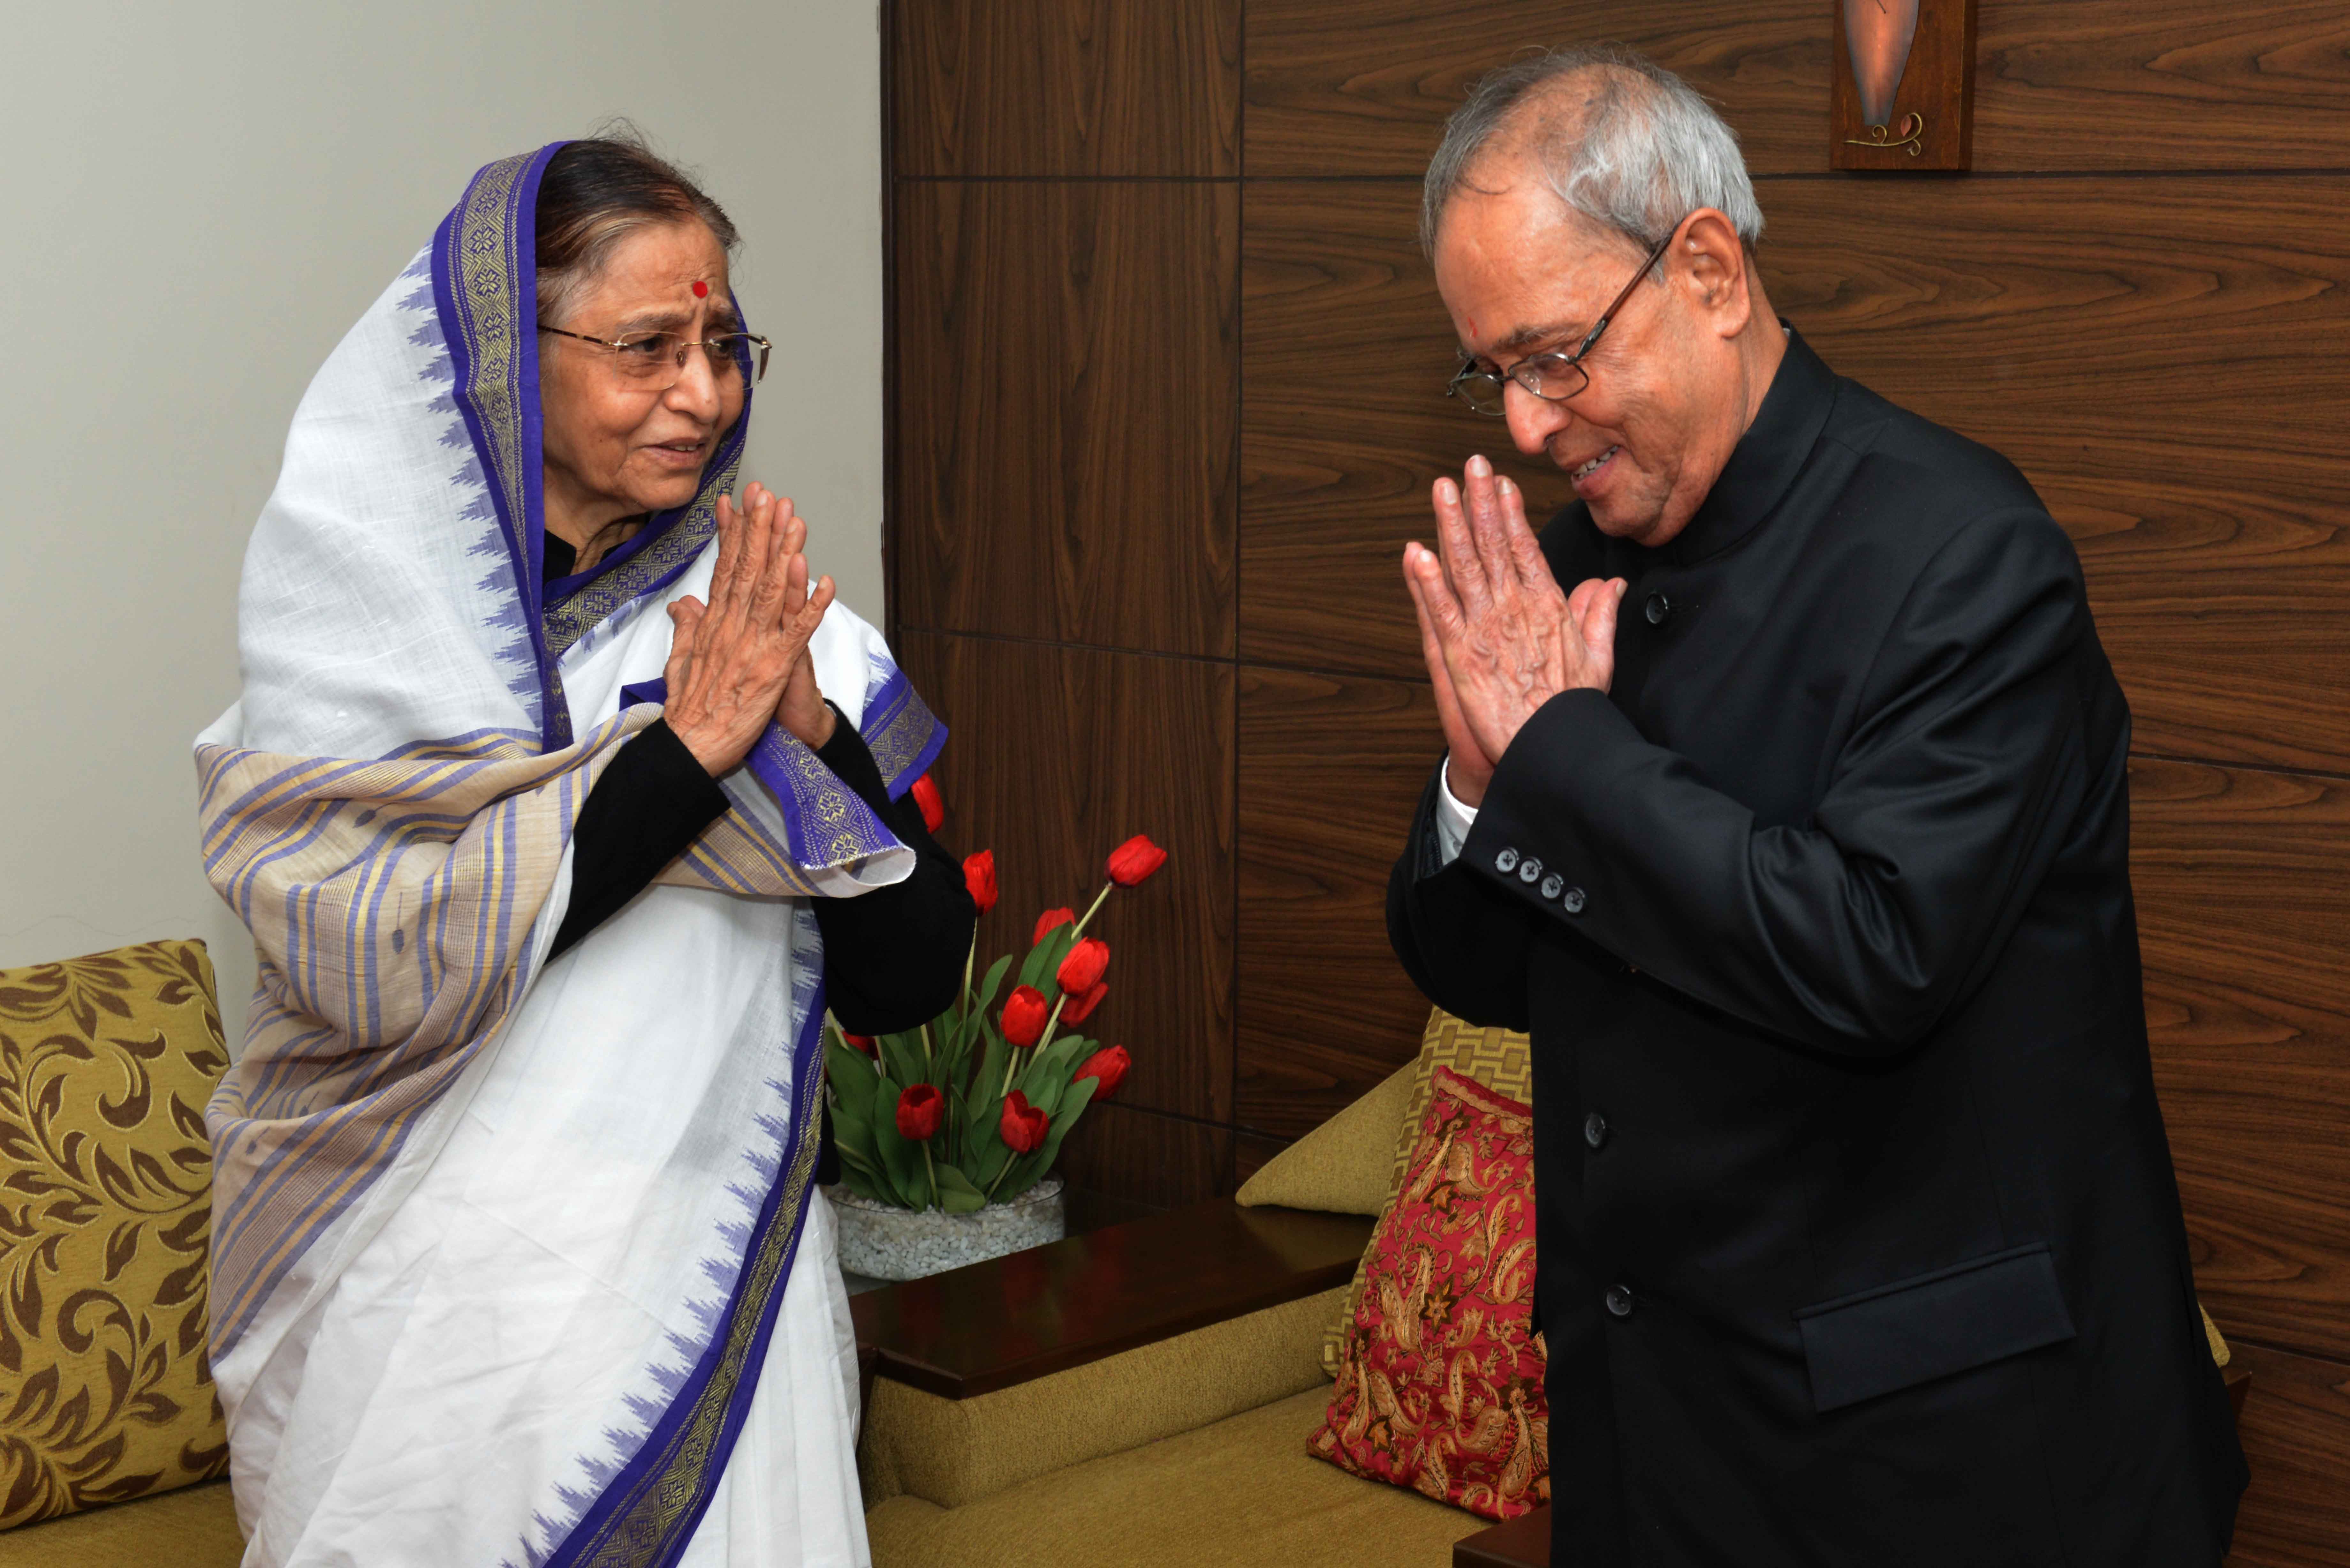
x: 1618, y: 138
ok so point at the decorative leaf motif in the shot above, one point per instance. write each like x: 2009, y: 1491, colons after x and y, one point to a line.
x: 105, y: 1064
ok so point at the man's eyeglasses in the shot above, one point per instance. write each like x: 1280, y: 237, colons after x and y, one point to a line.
x: 1554, y: 377
x: 655, y: 361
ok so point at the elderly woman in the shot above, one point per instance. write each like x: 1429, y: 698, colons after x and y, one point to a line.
x: 561, y: 805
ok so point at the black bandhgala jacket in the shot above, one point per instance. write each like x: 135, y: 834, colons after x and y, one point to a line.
x: 1858, y: 1238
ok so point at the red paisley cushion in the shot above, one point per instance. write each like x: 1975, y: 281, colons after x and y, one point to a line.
x: 1440, y: 1374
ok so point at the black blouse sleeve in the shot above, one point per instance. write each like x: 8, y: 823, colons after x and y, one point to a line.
x: 893, y: 957
x: 652, y: 801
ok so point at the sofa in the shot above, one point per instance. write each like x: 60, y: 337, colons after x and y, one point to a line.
x: 1138, y: 1394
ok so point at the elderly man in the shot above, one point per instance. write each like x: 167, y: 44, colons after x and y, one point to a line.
x: 1796, y: 833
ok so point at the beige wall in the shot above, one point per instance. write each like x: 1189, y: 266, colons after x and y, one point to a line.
x: 195, y: 203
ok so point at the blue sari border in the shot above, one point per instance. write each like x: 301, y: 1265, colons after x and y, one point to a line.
x: 485, y: 291
x: 904, y: 736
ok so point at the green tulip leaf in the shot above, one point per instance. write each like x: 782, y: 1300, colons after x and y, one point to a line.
x: 867, y: 1184
x: 994, y: 1155
x: 1044, y: 959
x: 987, y: 987
x: 853, y: 1135
x: 850, y: 1076
x: 902, y: 1054
x: 957, y: 1193
x: 985, y: 1098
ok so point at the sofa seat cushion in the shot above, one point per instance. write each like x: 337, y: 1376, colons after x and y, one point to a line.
x: 106, y: 1063
x: 1241, y: 1493
x: 953, y: 1452
x: 191, y: 1527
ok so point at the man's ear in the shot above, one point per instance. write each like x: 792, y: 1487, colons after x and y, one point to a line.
x: 1711, y: 261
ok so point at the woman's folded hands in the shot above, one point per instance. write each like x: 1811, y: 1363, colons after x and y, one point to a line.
x: 740, y: 661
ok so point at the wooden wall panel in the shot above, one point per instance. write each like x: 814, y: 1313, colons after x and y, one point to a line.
x: 1250, y: 1153
x: 1163, y: 1161
x: 1056, y: 756
x: 1066, y: 87
x: 2175, y: 386
x: 2162, y: 83
x: 1331, y: 769
x: 1346, y: 357
x: 2296, y: 1430
x: 1065, y: 358
x: 1362, y: 87
x: 2242, y: 905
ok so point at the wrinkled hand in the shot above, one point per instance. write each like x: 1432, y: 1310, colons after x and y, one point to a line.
x: 802, y: 709
x: 1499, y: 637
x: 731, y: 659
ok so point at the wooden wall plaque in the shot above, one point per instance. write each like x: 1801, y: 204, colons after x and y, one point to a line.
x: 1904, y: 75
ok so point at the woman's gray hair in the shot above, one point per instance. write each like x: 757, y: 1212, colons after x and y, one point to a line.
x: 596, y: 192
x: 1619, y: 138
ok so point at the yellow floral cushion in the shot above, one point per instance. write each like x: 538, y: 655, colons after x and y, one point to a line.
x: 106, y: 1063
x: 1500, y: 1059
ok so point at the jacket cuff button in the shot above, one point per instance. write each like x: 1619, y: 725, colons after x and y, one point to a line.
x: 1572, y: 901
x: 1506, y: 861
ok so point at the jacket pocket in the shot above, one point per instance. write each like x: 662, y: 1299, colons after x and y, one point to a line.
x: 1952, y: 1320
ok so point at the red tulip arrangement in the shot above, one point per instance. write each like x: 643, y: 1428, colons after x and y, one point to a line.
x: 970, y: 1108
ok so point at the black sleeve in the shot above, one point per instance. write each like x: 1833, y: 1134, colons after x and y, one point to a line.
x: 1859, y: 930
x: 1464, y: 944
x: 893, y: 957
x: 650, y: 801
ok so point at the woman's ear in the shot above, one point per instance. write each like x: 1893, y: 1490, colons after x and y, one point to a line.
x: 1712, y: 259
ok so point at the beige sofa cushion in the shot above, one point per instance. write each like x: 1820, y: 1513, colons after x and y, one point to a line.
x: 106, y: 1063
x: 1240, y: 1494
x: 194, y: 1527
x: 1345, y: 1166
x: 953, y: 1452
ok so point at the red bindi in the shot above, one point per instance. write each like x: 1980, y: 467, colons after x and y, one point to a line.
x: 701, y: 289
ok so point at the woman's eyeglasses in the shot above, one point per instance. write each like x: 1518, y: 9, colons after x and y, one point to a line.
x: 1554, y: 377
x: 655, y: 361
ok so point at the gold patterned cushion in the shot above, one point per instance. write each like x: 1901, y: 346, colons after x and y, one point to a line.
x: 106, y: 1063
x: 1500, y: 1059
x: 1440, y: 1374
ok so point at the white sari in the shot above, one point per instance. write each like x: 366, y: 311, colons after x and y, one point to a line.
x: 514, y: 1259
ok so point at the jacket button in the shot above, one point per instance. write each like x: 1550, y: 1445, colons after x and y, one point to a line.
x: 1506, y: 861
x: 1594, y: 1129
x: 1573, y: 900
x: 1529, y: 869
x: 1619, y: 1302
x: 1658, y: 610
x: 1552, y: 884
